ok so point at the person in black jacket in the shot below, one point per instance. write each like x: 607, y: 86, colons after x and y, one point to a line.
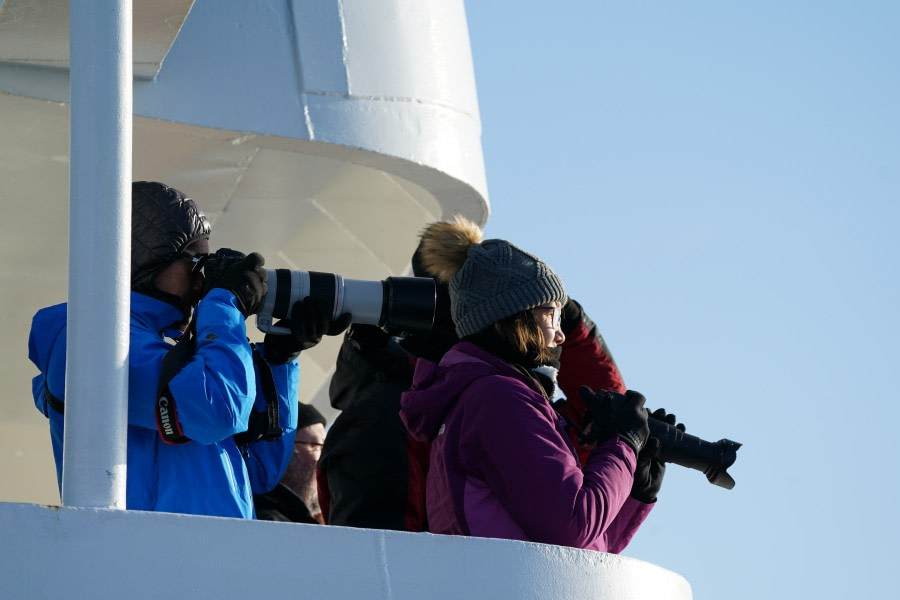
x: 372, y: 473
x: 295, y: 498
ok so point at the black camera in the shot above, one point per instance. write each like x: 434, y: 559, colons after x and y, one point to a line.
x: 394, y: 304
x: 680, y: 448
x: 676, y: 446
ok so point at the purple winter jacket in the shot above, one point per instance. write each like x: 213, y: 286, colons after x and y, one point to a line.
x: 502, y: 465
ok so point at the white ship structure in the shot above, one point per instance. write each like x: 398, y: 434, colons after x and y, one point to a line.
x: 323, y: 134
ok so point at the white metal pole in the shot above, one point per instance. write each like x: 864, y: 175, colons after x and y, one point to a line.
x: 94, y: 464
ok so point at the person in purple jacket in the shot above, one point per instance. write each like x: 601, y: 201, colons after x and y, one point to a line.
x: 502, y: 464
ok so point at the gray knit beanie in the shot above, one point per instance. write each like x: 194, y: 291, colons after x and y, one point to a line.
x: 498, y: 280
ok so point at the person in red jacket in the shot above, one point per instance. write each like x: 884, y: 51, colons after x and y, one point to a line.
x: 585, y: 359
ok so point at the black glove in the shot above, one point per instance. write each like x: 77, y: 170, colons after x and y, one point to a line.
x: 648, y: 476
x: 310, y: 320
x: 368, y: 338
x: 241, y: 275
x: 571, y: 316
x: 617, y: 415
x: 215, y: 265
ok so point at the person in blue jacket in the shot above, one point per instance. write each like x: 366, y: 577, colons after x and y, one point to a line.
x: 189, y: 448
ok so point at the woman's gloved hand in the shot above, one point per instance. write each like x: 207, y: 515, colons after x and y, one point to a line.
x: 648, y: 476
x: 572, y: 315
x: 617, y: 415
x: 310, y: 320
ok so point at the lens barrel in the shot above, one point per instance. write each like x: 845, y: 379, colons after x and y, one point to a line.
x: 396, y: 303
x: 409, y: 304
x: 680, y: 448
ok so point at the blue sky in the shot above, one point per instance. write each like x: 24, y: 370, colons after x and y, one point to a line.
x: 719, y: 184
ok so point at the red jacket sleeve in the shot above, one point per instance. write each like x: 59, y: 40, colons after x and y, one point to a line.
x: 585, y: 360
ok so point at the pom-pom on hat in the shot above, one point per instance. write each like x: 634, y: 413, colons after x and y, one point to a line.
x: 489, y: 280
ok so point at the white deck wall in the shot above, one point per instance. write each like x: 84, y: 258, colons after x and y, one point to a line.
x: 97, y: 553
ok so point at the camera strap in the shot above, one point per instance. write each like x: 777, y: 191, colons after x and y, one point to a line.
x: 166, y: 413
x: 263, y: 426
x: 52, y: 401
x: 273, y: 428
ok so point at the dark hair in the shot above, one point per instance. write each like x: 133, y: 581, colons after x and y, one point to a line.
x: 517, y: 339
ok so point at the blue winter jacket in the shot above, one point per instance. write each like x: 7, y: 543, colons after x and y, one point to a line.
x: 214, y: 393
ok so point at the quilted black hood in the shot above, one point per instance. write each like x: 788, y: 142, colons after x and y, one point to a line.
x: 165, y: 225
